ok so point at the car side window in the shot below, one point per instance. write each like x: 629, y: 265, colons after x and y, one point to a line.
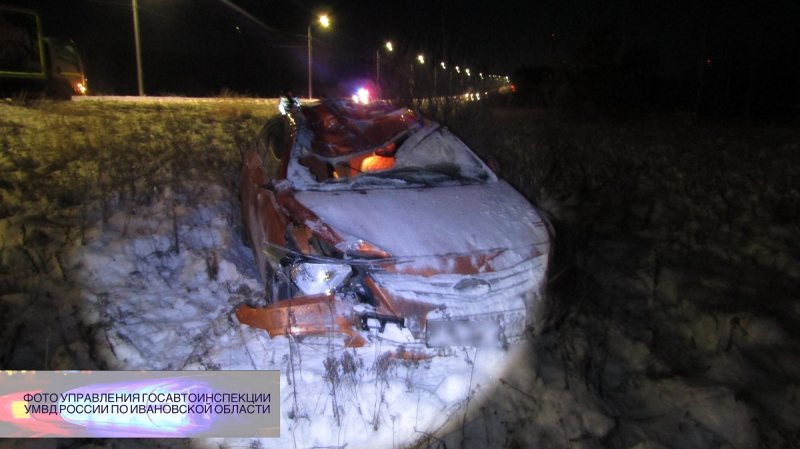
x: 271, y: 144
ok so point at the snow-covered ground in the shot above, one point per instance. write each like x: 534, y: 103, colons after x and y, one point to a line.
x: 678, y: 330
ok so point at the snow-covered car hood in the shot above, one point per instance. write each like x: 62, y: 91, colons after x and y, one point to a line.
x: 435, y: 221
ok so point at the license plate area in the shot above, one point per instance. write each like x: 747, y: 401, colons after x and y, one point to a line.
x: 462, y: 333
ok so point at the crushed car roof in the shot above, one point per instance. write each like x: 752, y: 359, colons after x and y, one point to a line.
x: 342, y: 146
x: 346, y: 129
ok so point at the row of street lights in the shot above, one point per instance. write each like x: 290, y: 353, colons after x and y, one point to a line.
x: 421, y: 59
x: 324, y: 22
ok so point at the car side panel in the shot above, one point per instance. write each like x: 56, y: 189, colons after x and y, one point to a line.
x: 263, y: 216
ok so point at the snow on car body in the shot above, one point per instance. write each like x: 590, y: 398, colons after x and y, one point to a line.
x: 361, y: 216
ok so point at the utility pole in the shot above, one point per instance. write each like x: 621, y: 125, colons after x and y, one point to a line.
x: 138, y: 47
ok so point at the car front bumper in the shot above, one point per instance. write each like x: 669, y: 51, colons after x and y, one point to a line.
x: 502, y: 304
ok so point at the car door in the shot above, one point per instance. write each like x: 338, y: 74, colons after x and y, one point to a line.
x: 262, y: 214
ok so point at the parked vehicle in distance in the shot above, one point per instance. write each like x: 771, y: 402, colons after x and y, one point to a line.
x: 32, y: 63
x: 373, y: 222
x: 65, y: 67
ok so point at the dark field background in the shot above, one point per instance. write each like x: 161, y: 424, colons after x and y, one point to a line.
x: 676, y: 268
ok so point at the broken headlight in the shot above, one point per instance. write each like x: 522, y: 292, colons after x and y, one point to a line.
x: 319, y: 278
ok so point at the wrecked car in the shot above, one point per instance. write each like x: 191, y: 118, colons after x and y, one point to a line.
x: 368, y: 217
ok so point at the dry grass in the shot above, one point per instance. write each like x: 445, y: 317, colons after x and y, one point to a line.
x: 689, y: 181
x: 662, y: 222
x: 633, y: 163
x: 649, y: 173
x: 68, y: 153
x: 700, y: 195
x: 66, y: 167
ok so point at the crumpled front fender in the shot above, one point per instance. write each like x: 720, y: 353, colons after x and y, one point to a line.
x: 309, y: 315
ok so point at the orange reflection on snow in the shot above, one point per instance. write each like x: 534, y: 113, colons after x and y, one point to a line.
x: 376, y: 163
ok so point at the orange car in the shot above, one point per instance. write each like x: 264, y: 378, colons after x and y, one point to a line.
x: 361, y: 216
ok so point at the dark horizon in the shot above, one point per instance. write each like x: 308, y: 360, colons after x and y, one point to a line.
x: 713, y: 53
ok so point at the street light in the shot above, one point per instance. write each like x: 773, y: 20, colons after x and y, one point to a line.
x: 138, y: 47
x: 444, y: 67
x: 378, y: 63
x: 421, y: 60
x: 325, y: 22
x: 450, y: 84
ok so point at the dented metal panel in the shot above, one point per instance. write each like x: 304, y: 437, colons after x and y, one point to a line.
x: 350, y: 214
x: 317, y: 315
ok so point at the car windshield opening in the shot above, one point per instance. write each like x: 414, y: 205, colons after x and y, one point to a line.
x: 360, y: 146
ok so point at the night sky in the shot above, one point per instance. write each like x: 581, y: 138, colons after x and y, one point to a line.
x: 199, y: 47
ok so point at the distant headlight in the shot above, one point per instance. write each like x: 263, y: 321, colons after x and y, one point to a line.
x: 319, y: 278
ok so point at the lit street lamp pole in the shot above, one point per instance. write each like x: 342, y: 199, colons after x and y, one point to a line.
x: 444, y: 67
x: 309, y: 62
x: 138, y: 47
x: 378, y: 63
x: 323, y: 20
x: 450, y: 82
x: 421, y: 60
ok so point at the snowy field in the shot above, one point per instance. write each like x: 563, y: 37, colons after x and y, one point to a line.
x: 677, y: 273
